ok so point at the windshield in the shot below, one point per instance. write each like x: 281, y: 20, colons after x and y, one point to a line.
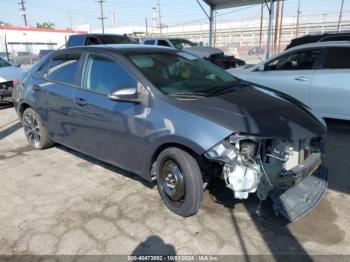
x: 4, y: 63
x: 181, y: 43
x: 116, y: 39
x: 183, y: 74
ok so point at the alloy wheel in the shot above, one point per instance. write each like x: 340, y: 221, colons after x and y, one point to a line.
x: 31, y: 129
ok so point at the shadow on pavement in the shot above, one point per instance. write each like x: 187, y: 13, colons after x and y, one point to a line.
x: 4, y: 105
x: 105, y: 165
x: 338, y: 155
x: 154, y: 246
x: 272, y: 228
x: 9, y: 130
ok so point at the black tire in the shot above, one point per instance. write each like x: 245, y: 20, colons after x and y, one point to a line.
x: 34, y: 130
x: 192, y: 186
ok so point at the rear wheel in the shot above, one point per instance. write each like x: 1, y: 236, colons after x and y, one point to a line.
x: 34, y: 130
x: 179, y: 181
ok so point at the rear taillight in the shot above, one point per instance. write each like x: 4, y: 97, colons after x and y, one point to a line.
x: 14, y: 82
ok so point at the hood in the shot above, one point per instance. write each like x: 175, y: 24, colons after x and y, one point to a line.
x: 202, y: 51
x: 257, y: 111
x: 10, y: 73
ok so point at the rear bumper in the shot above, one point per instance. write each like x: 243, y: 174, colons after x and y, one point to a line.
x: 297, y: 201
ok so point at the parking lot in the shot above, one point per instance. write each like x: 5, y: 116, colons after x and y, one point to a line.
x: 58, y: 201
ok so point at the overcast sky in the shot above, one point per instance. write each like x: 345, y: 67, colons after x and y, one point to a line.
x: 134, y: 12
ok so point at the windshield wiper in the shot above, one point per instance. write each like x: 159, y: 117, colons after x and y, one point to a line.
x: 189, y: 94
x: 220, y: 89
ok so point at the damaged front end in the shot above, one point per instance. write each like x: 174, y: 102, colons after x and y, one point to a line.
x: 289, y: 172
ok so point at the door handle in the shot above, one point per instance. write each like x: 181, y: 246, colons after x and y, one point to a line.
x: 302, y: 78
x: 36, y: 88
x: 80, y: 101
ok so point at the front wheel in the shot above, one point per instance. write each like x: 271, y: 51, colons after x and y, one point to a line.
x: 179, y: 181
x: 34, y: 130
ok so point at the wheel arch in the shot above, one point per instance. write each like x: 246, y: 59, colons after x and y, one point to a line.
x: 193, y: 149
x: 22, y: 107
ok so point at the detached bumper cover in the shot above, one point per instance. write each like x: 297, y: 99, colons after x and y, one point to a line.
x: 297, y: 201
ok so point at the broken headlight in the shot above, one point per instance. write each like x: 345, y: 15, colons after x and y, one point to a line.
x: 222, y: 152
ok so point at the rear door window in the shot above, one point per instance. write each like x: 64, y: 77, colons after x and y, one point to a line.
x: 92, y: 41
x: 104, y: 75
x: 301, y: 60
x: 337, y: 58
x: 149, y: 42
x: 163, y: 43
x: 76, y: 40
x: 63, y: 68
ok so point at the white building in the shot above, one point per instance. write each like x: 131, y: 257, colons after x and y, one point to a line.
x: 26, y: 39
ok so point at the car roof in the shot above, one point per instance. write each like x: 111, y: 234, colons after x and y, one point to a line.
x: 165, y: 38
x: 322, y: 44
x: 99, y: 34
x: 123, y: 48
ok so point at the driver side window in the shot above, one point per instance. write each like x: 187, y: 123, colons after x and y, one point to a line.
x: 302, y: 60
x: 103, y: 75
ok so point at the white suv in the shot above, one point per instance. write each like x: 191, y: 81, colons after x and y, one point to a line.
x: 317, y: 74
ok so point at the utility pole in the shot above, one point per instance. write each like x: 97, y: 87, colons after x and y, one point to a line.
x: 154, y: 19
x: 261, y: 24
x: 70, y: 19
x: 276, y: 27
x: 281, y: 26
x: 340, y: 16
x: 215, y: 14
x: 146, y: 21
x: 159, y: 18
x: 22, y: 11
x: 102, y: 18
x: 112, y: 17
x: 298, y: 19
x: 269, y: 34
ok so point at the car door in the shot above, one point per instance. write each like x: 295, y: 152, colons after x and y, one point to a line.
x: 290, y: 73
x: 109, y: 130
x: 330, y: 89
x: 55, y: 83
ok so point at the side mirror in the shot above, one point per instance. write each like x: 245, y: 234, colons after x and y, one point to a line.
x: 125, y: 93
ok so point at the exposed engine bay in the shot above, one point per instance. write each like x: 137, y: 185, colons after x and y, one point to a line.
x: 260, y: 165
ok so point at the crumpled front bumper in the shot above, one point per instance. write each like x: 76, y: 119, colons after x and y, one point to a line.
x: 298, y: 200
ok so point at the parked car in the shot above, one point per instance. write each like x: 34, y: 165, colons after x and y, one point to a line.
x: 257, y: 50
x: 98, y: 39
x: 323, y: 37
x: 24, y: 58
x: 317, y: 74
x: 9, y: 74
x: 212, y: 54
x: 170, y: 116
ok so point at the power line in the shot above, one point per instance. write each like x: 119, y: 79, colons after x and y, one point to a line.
x: 102, y: 18
x: 22, y: 11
